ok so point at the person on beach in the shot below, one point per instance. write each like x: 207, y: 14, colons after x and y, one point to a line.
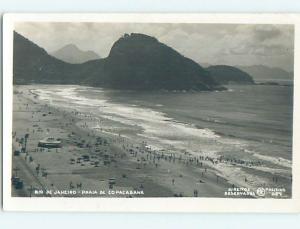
x: 79, y: 185
x: 195, y: 193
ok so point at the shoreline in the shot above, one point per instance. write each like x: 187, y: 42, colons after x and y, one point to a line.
x: 159, y: 174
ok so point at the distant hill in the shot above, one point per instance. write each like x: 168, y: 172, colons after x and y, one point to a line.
x: 32, y: 63
x: 263, y: 73
x: 72, y: 54
x: 135, y: 61
x: 140, y: 61
x: 224, y: 74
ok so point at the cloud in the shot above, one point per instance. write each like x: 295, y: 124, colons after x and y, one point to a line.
x: 232, y: 44
x: 265, y: 33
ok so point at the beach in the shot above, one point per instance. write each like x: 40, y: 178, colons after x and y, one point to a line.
x: 101, y: 157
x: 133, y: 165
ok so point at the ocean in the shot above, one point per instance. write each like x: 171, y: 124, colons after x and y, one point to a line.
x: 248, y: 123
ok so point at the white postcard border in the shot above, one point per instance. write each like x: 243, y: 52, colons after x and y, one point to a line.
x: 169, y: 204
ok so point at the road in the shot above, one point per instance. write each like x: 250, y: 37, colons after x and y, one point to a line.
x: 27, y: 175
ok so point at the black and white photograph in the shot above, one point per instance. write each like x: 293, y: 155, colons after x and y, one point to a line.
x: 177, y: 110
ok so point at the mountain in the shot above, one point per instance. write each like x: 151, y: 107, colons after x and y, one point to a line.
x: 263, y: 73
x: 224, y: 74
x: 72, y: 54
x: 138, y: 61
x: 135, y: 61
x: 32, y: 63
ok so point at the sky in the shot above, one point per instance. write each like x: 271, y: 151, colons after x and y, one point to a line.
x: 229, y: 44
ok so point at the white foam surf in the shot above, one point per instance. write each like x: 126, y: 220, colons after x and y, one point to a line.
x: 164, y: 132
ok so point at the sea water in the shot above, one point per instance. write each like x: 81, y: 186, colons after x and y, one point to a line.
x: 249, y: 122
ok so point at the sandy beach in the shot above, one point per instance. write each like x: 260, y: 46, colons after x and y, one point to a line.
x: 96, y: 162
x: 134, y: 166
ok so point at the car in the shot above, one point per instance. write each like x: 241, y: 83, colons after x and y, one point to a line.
x: 19, y: 185
x: 17, y: 152
x: 15, y: 179
x: 17, y: 182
